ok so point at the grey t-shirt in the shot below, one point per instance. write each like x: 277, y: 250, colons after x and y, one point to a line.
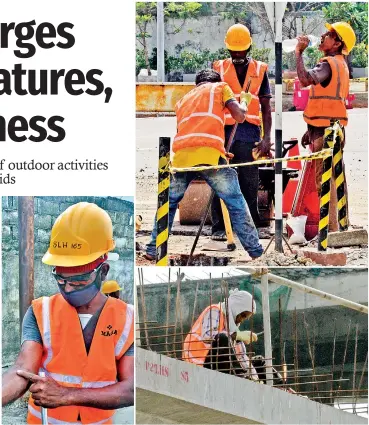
x: 31, y: 332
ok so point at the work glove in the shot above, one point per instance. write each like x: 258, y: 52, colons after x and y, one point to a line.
x: 245, y: 336
x: 245, y: 97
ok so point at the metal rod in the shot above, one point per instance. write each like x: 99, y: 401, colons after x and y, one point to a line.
x: 328, y: 391
x: 26, y: 254
x: 362, y: 374
x: 168, y: 309
x: 266, y: 325
x: 143, y: 305
x: 295, y: 360
x: 355, y: 359
x: 313, y: 382
x: 309, y: 290
x: 157, y: 327
x: 344, y: 355
x: 334, y: 348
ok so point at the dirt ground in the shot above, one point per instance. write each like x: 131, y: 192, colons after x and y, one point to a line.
x: 148, y: 131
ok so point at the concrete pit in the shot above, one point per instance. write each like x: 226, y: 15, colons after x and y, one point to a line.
x: 198, y: 260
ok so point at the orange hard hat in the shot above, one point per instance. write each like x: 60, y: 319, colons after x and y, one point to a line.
x: 238, y: 38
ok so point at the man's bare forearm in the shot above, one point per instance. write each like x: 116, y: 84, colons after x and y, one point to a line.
x: 303, y: 75
x: 13, y: 386
x: 113, y: 396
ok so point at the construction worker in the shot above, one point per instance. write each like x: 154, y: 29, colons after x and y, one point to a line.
x: 238, y: 71
x: 200, y: 141
x: 111, y: 289
x: 79, y: 338
x: 329, y: 81
x: 216, y: 332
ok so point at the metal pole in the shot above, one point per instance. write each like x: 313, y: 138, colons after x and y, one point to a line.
x: 160, y: 42
x: 267, y: 331
x: 278, y: 189
x: 26, y: 254
x: 309, y: 290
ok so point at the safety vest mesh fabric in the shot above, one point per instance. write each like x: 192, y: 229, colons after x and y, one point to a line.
x: 200, y: 118
x: 65, y: 358
x: 195, y: 349
x: 327, y: 103
x: 255, y: 72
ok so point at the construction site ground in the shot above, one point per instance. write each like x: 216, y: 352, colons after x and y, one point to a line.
x: 148, y: 131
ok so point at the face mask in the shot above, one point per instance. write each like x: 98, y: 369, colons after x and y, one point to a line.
x: 83, y: 296
x: 239, y: 61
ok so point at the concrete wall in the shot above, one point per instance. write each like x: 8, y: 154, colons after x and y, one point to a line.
x: 47, y: 209
x: 208, y: 32
x: 192, y: 394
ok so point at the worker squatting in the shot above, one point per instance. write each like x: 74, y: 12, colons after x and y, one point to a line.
x: 32, y: 165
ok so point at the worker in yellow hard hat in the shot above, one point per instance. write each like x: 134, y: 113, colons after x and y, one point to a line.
x: 111, y: 289
x: 238, y: 72
x: 79, y: 340
x: 329, y: 81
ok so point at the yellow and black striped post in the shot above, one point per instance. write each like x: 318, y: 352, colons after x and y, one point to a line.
x: 162, y: 215
x: 340, y: 181
x: 325, y: 193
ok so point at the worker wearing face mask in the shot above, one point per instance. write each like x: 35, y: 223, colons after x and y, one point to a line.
x: 79, y: 338
x: 249, y: 144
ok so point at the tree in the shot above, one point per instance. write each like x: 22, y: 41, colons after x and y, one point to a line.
x: 146, y: 13
x: 356, y: 14
x: 244, y: 12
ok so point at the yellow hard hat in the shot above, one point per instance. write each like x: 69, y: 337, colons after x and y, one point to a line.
x: 80, y: 235
x: 344, y: 30
x: 110, y: 286
x: 238, y: 38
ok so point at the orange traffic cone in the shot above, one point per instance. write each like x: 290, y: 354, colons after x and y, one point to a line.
x: 295, y: 151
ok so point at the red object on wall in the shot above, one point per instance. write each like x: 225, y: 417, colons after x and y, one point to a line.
x: 306, y: 201
x: 300, y: 96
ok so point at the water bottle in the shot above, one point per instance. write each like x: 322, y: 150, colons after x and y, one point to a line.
x: 289, y: 46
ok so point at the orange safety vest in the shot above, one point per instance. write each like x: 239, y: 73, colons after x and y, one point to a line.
x: 255, y: 72
x: 327, y: 103
x: 65, y: 358
x: 195, y: 349
x: 200, y: 118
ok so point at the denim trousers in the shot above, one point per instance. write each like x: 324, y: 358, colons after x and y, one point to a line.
x: 225, y: 183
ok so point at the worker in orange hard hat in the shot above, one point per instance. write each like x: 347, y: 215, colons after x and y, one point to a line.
x: 111, y: 288
x: 80, y: 340
x: 238, y: 72
x: 329, y: 81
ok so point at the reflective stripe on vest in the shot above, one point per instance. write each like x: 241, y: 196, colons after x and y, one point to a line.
x: 52, y: 420
x: 123, y: 338
x: 70, y: 379
x: 255, y: 71
x: 200, y: 110
x: 46, y: 329
x: 194, y: 344
x: 327, y: 103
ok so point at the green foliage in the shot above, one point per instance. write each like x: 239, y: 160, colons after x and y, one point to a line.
x: 312, y: 56
x: 237, y: 11
x: 140, y: 60
x: 288, y: 61
x: 260, y: 54
x: 356, y: 13
x: 183, y: 10
x: 359, y: 56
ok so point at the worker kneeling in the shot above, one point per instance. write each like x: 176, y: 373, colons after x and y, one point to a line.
x: 200, y: 141
x: 81, y: 340
x: 215, y: 341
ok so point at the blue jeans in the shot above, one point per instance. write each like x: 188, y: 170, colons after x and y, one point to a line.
x: 225, y: 184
